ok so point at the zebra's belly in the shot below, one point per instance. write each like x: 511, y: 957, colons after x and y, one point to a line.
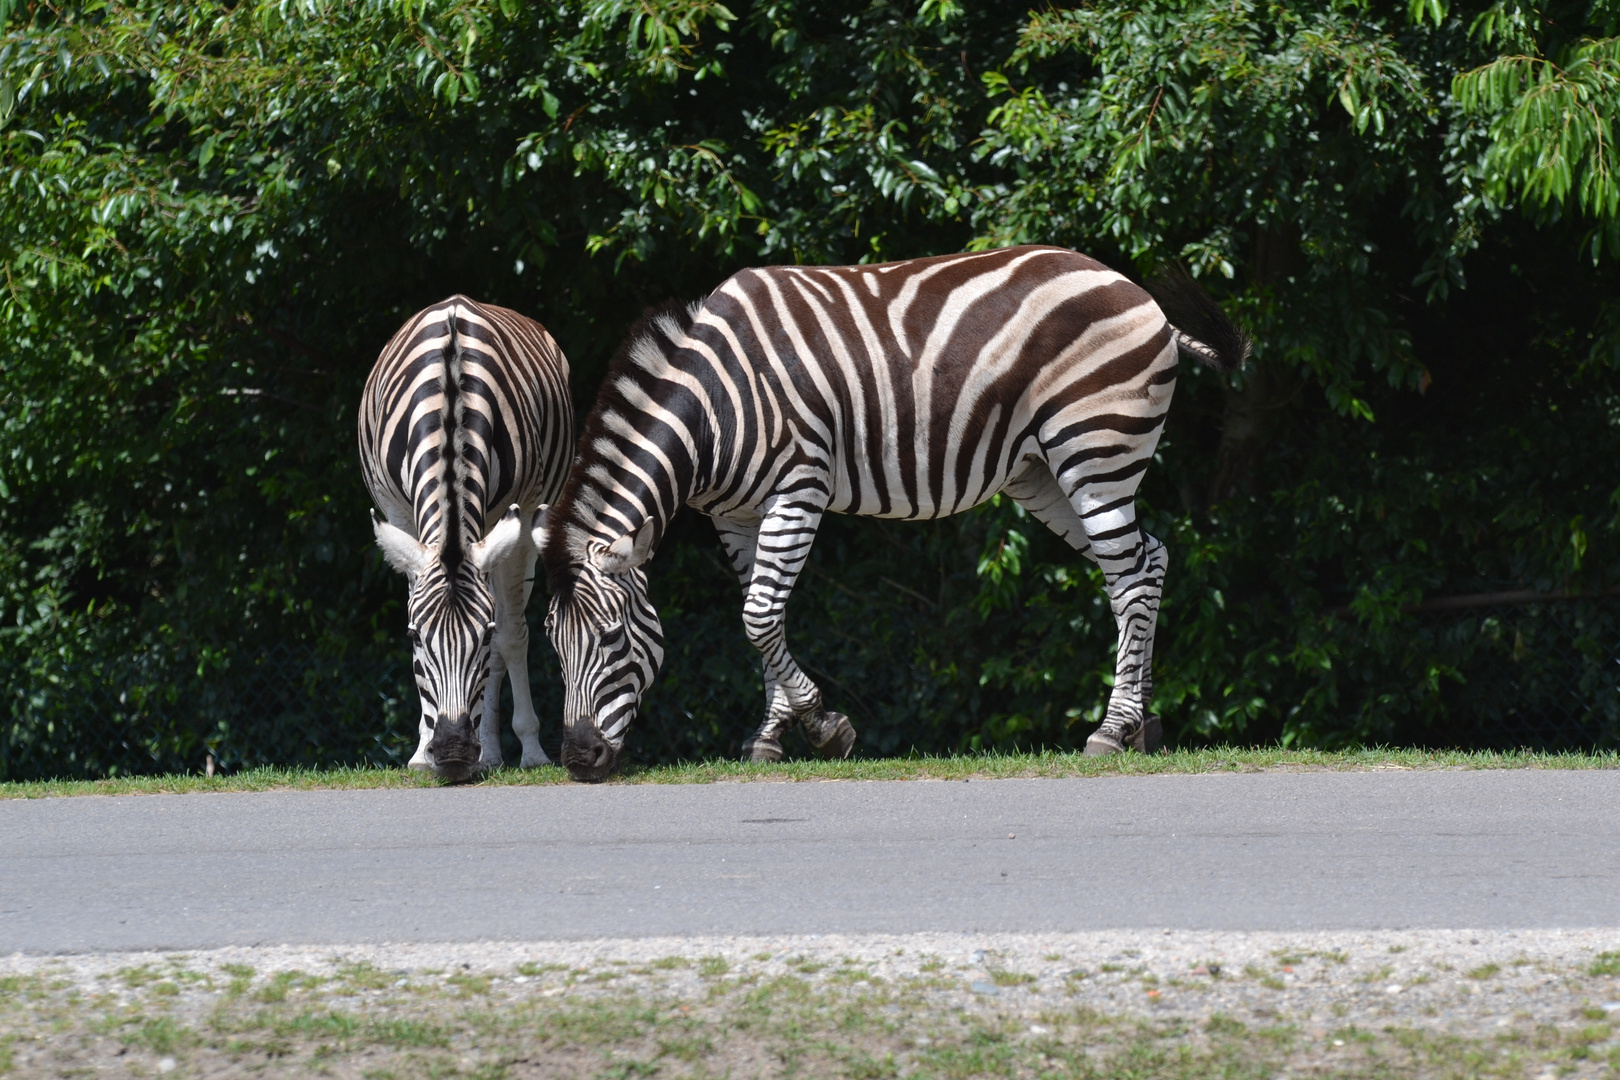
x: 921, y: 513
x: 918, y: 501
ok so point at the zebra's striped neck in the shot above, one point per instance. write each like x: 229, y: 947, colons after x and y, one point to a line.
x: 630, y: 472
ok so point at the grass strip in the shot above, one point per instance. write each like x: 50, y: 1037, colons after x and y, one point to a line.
x: 991, y: 766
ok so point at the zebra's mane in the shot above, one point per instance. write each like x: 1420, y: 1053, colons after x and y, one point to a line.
x: 453, y: 456
x: 643, y: 352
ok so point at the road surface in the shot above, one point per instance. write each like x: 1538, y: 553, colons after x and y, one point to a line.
x: 1271, y: 851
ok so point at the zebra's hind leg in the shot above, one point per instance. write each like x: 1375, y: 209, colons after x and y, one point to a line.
x: 1133, y: 565
x: 1133, y: 569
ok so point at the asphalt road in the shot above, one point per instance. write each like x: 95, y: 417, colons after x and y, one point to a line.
x: 1278, y: 851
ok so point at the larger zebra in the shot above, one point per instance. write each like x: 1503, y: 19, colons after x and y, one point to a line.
x: 466, y: 428
x: 907, y: 390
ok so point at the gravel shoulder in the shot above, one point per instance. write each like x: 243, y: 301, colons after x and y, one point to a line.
x: 1536, y: 1003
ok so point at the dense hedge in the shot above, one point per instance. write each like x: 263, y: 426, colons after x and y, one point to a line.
x: 214, y: 213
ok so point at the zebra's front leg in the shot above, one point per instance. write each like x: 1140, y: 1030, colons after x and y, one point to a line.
x: 787, y: 528
x: 422, y: 759
x: 510, y: 584
x: 740, y: 539
x: 525, y: 721
x: 489, y: 728
x: 766, y: 743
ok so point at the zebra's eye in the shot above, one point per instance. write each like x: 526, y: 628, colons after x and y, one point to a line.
x: 489, y: 632
x: 415, y: 635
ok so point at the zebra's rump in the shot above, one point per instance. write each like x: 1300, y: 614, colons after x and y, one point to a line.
x: 466, y: 412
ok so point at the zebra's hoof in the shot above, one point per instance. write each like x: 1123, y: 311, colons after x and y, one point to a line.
x: 1148, y: 736
x: 1103, y: 743
x: 761, y: 748
x: 841, y: 739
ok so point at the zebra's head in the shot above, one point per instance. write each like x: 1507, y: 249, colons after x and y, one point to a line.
x: 608, y: 638
x: 451, y: 622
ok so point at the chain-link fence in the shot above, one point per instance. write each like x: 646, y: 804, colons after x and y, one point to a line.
x: 1531, y: 672
x: 1543, y: 675
x: 291, y: 705
x: 298, y: 705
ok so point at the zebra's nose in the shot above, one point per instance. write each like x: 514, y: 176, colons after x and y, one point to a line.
x: 587, y: 756
x: 455, y: 747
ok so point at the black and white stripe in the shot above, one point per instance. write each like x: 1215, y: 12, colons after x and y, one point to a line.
x: 610, y: 643
x: 907, y: 390
x: 466, y: 428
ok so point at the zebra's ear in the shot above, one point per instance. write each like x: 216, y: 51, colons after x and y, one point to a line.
x: 500, y: 541
x: 537, y: 527
x: 627, y: 552
x: 403, y: 551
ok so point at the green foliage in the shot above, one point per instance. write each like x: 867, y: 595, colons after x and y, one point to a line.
x: 215, y: 213
x: 1552, y: 129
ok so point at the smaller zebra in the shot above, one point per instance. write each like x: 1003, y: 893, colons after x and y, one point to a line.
x: 466, y: 429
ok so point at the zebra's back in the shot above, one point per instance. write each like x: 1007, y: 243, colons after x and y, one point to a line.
x: 465, y: 413
x: 920, y: 386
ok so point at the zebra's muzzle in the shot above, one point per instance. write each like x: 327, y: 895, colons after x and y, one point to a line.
x: 455, y: 748
x: 587, y: 756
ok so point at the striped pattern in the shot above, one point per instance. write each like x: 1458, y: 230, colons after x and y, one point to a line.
x: 907, y: 390
x: 612, y: 644
x: 465, y: 417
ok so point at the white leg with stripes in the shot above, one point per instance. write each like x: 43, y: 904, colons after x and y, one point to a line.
x: 1133, y: 565
x: 786, y: 531
x: 489, y: 725
x: 740, y: 541
x: 1134, y: 572
x: 1102, y: 518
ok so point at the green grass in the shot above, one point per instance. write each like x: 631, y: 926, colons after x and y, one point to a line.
x: 967, y: 767
x: 1607, y: 963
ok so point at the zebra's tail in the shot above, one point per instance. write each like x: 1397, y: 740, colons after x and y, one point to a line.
x: 1201, y: 327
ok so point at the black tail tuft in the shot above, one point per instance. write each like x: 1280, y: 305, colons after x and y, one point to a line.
x: 1205, y: 331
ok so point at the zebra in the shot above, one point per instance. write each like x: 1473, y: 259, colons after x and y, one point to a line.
x: 466, y: 428
x: 907, y: 390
